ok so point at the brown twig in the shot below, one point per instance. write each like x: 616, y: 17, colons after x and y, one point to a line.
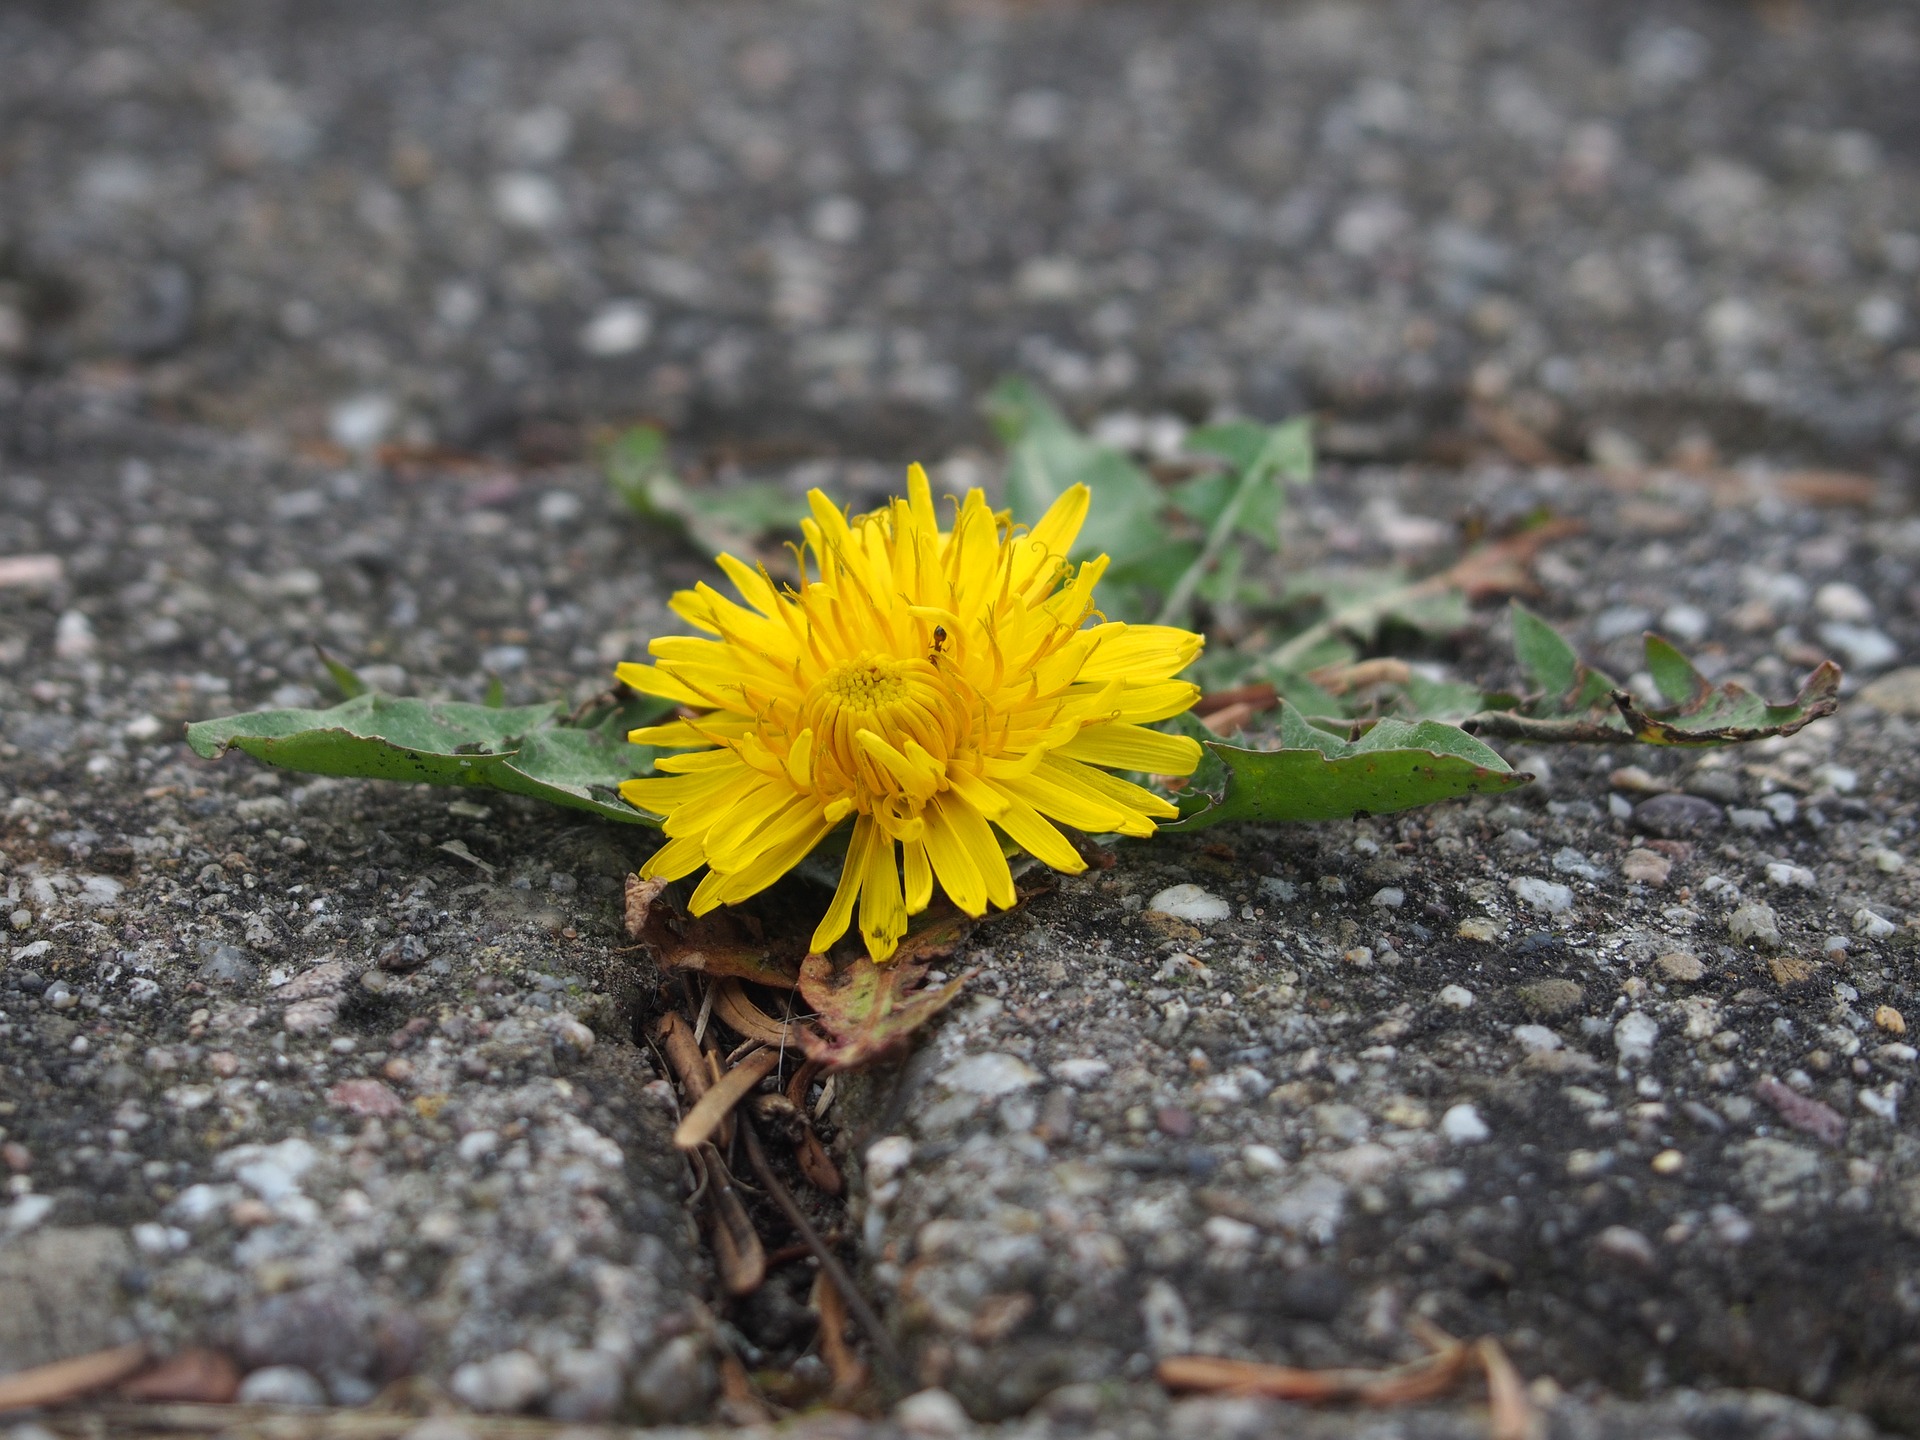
x: 883, y: 1347
x: 849, y: 1374
x: 70, y: 1379
x: 714, y: 1106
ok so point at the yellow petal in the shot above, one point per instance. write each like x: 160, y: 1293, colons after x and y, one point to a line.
x: 840, y: 913
x: 1131, y: 747
x: 675, y: 859
x: 1031, y: 831
x: 883, y: 913
x: 652, y: 680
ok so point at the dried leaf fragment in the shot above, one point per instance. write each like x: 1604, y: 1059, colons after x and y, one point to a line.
x: 714, y: 1106
x: 65, y: 1380
x: 723, y: 944
x: 869, y: 1011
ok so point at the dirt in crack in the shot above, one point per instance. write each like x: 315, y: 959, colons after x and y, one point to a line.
x: 764, y: 1173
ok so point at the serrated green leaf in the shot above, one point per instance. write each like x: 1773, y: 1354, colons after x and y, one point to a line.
x: 1397, y: 765
x: 1046, y: 456
x: 343, y: 675
x: 519, y: 749
x: 1590, y: 708
x: 1547, y: 660
x: 724, y: 518
x: 1673, y: 674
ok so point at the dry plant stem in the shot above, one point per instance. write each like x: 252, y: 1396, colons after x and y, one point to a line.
x: 281, y: 1422
x: 1512, y: 1414
x: 718, y: 1103
x: 69, y: 1379
x: 849, y: 1374
x: 683, y: 1053
x: 884, y: 1349
x: 1423, y: 1379
x: 1180, y: 598
x: 738, y: 1251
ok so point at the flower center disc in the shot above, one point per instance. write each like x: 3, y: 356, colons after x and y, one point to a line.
x: 868, y: 686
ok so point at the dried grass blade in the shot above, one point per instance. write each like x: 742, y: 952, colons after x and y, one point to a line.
x: 1512, y: 1414
x: 738, y: 1251
x: 849, y: 1375
x: 731, y: 1004
x: 1246, y: 1377
x: 718, y: 1103
x: 1424, y: 1379
x: 816, y: 1164
x: 70, y: 1379
x: 683, y: 1054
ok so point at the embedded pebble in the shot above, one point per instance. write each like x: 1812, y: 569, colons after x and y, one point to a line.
x: 1862, y: 646
x: 1646, y: 867
x: 1755, y: 921
x: 1536, y: 1039
x: 1455, y: 997
x: 1797, y: 877
x: 990, y: 1074
x: 1681, y: 966
x: 1390, y: 897
x: 1479, y: 929
x: 1838, y: 600
x: 1750, y: 821
x: 1678, y: 817
x: 281, y: 1385
x: 1546, y: 896
x: 1871, y: 924
x: 1462, y: 1125
x: 502, y: 1384
x: 1633, y: 1037
x: 1191, y: 903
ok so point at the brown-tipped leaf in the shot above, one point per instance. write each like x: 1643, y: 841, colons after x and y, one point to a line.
x: 870, y: 1011
x: 723, y: 944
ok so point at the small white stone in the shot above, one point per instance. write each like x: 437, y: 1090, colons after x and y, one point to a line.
x: 362, y: 422
x: 73, y: 637
x: 932, y: 1415
x: 143, y: 728
x: 992, y: 1073
x: 1226, y: 1233
x: 1783, y: 807
x: 1390, y: 897
x: 558, y: 508
x: 619, y: 327
x: 1872, y: 925
x: 527, y: 201
x: 1887, y: 862
x: 1797, y: 876
x: 477, y: 1145
x: 1263, y: 1160
x: 1455, y: 997
x: 27, y: 1211
x: 886, y: 1158
x: 1543, y: 895
x: 281, y: 1385
x: 1838, y: 600
x: 1462, y: 1125
x: 1837, y: 778
x: 501, y: 1384
x: 1081, y: 1070
x: 1864, y: 647
x: 1633, y: 1037
x: 1686, y: 623
x: 1535, y: 1039
x: 1755, y: 921
x: 1191, y: 903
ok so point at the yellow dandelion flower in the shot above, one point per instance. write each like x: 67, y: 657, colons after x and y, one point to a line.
x: 932, y: 685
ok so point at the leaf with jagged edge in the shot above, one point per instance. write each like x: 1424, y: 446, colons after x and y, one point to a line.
x: 869, y: 1011
x: 523, y: 750
x: 1576, y: 703
x: 1314, y: 775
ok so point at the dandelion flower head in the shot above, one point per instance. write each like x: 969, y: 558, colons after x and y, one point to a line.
x: 940, y: 688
